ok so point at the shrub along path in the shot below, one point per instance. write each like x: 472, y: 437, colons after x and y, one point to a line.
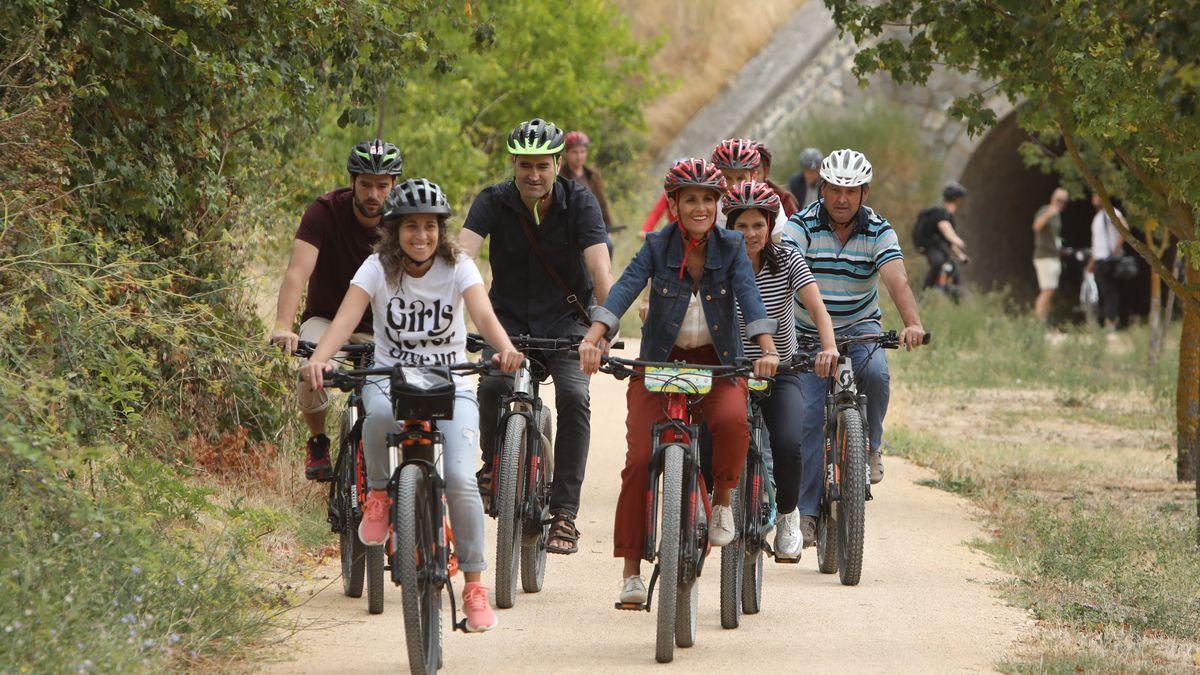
x: 927, y: 601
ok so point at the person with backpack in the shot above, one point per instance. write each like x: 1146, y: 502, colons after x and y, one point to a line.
x: 936, y: 237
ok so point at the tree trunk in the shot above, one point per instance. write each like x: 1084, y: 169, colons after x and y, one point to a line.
x: 1157, y: 329
x: 1187, y: 395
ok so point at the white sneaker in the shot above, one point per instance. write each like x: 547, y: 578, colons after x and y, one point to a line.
x: 633, y: 590
x: 788, y: 540
x: 722, y: 529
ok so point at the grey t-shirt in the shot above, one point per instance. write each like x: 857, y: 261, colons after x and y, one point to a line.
x: 1048, y: 241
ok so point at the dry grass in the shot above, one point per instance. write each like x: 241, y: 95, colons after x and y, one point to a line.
x: 705, y: 43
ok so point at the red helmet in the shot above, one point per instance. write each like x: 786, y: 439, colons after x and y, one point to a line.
x: 751, y: 194
x: 694, y: 172
x: 737, y: 153
x: 577, y: 138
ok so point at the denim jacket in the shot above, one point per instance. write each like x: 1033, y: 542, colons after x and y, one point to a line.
x: 727, y: 275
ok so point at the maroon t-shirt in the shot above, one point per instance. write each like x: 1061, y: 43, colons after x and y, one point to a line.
x: 343, y: 243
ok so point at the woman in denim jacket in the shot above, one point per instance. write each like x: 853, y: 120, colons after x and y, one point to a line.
x: 696, y: 272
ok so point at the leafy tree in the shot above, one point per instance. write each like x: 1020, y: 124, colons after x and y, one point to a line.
x: 1118, y: 83
x: 574, y: 64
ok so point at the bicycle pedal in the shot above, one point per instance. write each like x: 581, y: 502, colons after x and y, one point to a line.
x: 787, y: 561
x: 630, y: 606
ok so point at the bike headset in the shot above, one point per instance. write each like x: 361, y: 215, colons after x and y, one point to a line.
x: 538, y: 137
x: 418, y: 195
x: 693, y: 172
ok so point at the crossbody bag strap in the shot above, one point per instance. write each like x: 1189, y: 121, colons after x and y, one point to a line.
x: 570, y: 296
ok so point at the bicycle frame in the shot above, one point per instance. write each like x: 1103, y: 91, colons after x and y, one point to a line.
x: 754, y: 525
x: 841, y: 394
x: 679, y: 429
x: 524, y: 401
x: 420, y: 443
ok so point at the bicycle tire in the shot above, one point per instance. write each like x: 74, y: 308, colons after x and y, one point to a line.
x: 350, y: 549
x: 827, y: 550
x: 731, y: 564
x: 533, y: 545
x: 375, y: 579
x: 752, y: 574
x: 671, y: 502
x: 852, y: 502
x: 508, y: 488
x: 687, y: 603
x: 420, y: 597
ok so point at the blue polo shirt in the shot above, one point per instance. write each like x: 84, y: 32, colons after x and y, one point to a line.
x: 847, y: 275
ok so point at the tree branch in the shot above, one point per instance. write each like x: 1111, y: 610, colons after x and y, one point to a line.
x: 1184, y: 224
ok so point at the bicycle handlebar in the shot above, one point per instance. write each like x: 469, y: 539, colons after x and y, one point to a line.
x: 305, y: 348
x: 349, y: 379
x: 621, y: 368
x: 476, y: 343
x: 888, y: 340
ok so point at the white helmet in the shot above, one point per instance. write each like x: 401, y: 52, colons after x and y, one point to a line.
x: 846, y: 168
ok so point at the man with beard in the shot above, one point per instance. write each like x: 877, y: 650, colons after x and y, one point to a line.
x: 548, y: 250
x: 336, y: 234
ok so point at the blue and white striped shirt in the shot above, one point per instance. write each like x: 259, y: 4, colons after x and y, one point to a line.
x: 847, y: 275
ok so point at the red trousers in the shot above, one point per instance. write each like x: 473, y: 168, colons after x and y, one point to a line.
x: 724, y: 411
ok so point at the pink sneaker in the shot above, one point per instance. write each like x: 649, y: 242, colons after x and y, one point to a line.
x: 373, y: 530
x: 480, y: 616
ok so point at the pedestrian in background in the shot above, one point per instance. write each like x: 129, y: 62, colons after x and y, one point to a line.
x: 1047, y: 250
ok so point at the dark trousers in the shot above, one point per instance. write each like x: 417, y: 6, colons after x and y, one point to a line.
x: 783, y: 411
x: 937, y: 256
x: 1110, y: 290
x: 573, y: 426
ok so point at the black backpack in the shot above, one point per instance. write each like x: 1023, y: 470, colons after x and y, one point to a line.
x: 925, y: 232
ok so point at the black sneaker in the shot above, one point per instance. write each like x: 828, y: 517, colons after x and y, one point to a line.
x: 317, y: 466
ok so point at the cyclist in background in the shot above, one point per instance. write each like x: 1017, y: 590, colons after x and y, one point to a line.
x: 782, y: 277
x: 416, y: 284
x: 335, y: 236
x: 786, y: 200
x: 740, y: 160
x: 804, y: 183
x: 577, y: 169
x: 936, y: 237
x: 849, y: 248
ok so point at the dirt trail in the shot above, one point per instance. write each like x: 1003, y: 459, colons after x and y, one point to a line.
x: 924, y: 603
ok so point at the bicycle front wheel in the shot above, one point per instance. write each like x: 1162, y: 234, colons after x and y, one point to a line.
x: 731, y: 564
x: 852, y: 501
x: 533, y: 541
x: 508, y: 526
x: 415, y: 556
x: 669, y: 538
x: 353, y: 553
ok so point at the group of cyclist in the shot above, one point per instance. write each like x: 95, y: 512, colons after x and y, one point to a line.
x: 739, y: 271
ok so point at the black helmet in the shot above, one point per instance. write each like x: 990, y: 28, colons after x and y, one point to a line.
x: 953, y: 191
x: 415, y: 195
x: 536, y: 137
x: 811, y: 158
x: 376, y: 157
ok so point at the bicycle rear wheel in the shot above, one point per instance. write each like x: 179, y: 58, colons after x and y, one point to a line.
x: 669, y: 537
x: 416, y: 554
x: 508, y: 525
x: 852, y: 502
x: 353, y: 553
x: 731, y: 563
x: 533, y: 543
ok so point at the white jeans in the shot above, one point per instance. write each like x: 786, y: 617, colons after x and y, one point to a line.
x: 459, y: 451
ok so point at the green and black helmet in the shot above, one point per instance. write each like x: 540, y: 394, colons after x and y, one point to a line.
x: 536, y: 137
x: 376, y: 157
x: 415, y: 195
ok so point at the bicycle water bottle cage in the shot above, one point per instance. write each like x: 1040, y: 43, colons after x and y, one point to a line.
x: 422, y: 393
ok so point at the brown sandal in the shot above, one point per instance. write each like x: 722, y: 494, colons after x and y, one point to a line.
x: 562, y: 529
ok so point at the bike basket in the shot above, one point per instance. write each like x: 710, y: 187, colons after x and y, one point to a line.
x: 759, y: 385
x: 690, y: 381
x: 425, y: 393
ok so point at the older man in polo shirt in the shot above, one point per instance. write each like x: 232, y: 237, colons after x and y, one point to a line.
x: 848, y: 247
x: 565, y: 220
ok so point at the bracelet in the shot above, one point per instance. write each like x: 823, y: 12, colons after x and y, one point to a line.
x: 775, y: 354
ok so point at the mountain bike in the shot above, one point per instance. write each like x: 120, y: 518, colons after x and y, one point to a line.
x: 523, y: 471
x: 754, y: 512
x: 841, y: 516
x: 348, y: 487
x: 680, y: 546
x: 420, y: 544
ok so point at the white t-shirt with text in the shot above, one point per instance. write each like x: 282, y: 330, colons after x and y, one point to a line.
x: 421, y: 322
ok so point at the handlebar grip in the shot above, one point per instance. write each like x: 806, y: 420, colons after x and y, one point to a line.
x: 926, y: 340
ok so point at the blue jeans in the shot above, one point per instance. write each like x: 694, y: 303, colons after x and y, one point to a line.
x: 871, y: 375
x: 461, y: 436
